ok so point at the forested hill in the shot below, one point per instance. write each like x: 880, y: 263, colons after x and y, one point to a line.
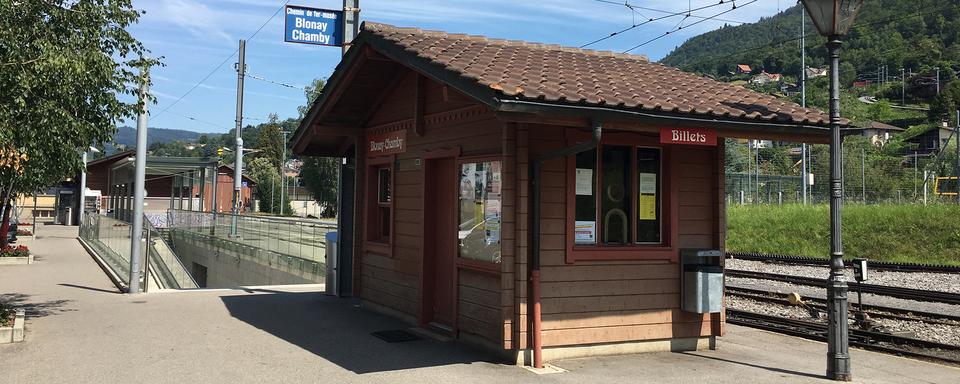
x: 915, y: 34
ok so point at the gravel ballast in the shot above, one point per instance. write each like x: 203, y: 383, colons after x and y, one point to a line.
x: 943, y: 282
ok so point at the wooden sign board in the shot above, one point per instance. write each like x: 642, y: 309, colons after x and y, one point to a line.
x: 387, y: 144
x: 688, y: 136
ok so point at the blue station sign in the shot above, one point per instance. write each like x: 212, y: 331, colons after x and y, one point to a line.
x: 313, y: 26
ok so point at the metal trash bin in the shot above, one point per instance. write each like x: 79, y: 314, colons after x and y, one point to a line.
x: 702, y: 288
x: 702, y: 281
x: 331, y: 264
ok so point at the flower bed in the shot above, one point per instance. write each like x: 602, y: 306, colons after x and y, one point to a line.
x: 11, y: 255
x: 24, y: 232
x: 7, y: 315
x: 18, y: 251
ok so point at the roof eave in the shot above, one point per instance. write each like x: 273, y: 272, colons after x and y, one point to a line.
x: 728, y: 128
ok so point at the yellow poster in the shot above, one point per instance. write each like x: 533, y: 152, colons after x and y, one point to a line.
x: 647, y: 207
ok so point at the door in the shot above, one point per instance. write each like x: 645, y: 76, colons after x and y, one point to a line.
x: 440, y: 243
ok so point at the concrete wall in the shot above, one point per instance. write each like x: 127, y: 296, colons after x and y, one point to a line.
x: 231, y: 264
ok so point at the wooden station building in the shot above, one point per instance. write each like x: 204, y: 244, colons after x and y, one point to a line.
x: 445, y: 138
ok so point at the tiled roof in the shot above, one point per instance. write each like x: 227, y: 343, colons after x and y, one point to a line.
x: 555, y: 74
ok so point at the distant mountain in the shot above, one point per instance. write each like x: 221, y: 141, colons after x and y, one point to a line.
x: 127, y: 136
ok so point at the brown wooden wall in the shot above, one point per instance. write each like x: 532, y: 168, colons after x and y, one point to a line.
x: 391, y: 277
x: 616, y: 301
x: 582, y: 303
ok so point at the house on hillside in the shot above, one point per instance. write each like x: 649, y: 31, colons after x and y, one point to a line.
x: 540, y: 201
x: 878, y: 133
x: 764, y: 78
x: 928, y: 142
x: 743, y: 69
x: 813, y: 73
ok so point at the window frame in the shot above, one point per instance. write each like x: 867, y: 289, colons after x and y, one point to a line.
x: 373, y: 241
x: 488, y: 267
x: 666, y: 249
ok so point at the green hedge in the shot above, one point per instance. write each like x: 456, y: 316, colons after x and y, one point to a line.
x: 902, y: 233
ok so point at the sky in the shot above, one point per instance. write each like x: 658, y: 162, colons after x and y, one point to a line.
x: 192, y: 37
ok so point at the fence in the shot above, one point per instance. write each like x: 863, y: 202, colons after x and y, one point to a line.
x: 110, y: 239
x: 304, y: 239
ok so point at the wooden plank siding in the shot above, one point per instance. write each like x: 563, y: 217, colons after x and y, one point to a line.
x: 393, y: 279
x: 591, y: 302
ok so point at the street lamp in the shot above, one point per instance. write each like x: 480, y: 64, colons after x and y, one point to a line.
x: 833, y: 19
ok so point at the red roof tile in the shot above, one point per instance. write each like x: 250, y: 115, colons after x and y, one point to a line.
x: 543, y: 72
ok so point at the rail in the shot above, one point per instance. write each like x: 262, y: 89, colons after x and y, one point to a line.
x: 878, y: 265
x: 898, y: 292
x: 881, y: 342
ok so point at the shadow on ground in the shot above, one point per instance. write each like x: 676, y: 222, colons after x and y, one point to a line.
x: 338, y: 331
x: 34, y: 310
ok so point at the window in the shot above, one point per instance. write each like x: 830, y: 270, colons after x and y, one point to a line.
x: 380, y: 204
x: 626, y: 209
x: 480, y: 210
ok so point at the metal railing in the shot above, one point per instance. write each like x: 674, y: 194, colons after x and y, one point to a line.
x: 169, y: 270
x: 304, y: 239
x: 110, y: 239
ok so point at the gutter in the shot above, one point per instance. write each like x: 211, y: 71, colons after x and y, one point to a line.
x: 534, y: 263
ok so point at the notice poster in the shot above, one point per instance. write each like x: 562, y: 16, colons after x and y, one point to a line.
x: 647, y: 208
x: 585, y: 232
x: 648, y: 183
x: 491, y: 219
x: 467, y: 189
x: 584, y: 182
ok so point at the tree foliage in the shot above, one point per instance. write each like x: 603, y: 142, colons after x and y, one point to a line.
x: 270, y: 142
x: 915, y: 35
x: 65, y: 68
x: 269, y: 182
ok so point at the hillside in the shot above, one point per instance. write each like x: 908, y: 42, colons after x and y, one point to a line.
x: 127, y: 136
x: 917, y: 35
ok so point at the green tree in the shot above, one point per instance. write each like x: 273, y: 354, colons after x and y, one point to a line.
x: 319, y: 176
x: 311, y: 92
x: 268, y: 180
x: 944, y: 106
x: 270, y: 142
x: 65, y: 67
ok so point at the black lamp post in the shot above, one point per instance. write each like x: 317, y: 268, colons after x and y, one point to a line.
x: 833, y: 19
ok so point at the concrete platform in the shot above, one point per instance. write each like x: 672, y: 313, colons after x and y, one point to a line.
x: 81, y: 330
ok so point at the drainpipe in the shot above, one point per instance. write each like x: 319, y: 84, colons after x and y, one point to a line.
x: 535, y: 229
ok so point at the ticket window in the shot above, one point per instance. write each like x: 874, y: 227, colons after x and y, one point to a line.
x: 618, y: 196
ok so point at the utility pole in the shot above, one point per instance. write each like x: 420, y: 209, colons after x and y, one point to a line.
x: 238, y: 161
x: 863, y: 175
x: 140, y: 167
x: 903, y: 88
x: 351, y: 22
x: 938, y: 83
x: 283, y: 160
x: 803, y: 97
x: 914, y: 175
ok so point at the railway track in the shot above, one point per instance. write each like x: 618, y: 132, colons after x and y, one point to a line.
x: 873, y: 311
x: 878, y: 265
x: 884, y: 290
x: 876, y: 341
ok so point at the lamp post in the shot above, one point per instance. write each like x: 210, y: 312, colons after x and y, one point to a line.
x: 833, y: 19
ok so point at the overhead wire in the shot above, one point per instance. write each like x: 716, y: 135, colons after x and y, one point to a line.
x: 680, y: 26
x: 225, y: 60
x: 634, y: 26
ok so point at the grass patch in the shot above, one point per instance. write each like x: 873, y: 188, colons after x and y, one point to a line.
x: 900, y: 233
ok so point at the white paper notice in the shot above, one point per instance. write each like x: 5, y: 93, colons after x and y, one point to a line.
x: 584, y: 182
x: 648, y: 183
x: 585, y: 232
